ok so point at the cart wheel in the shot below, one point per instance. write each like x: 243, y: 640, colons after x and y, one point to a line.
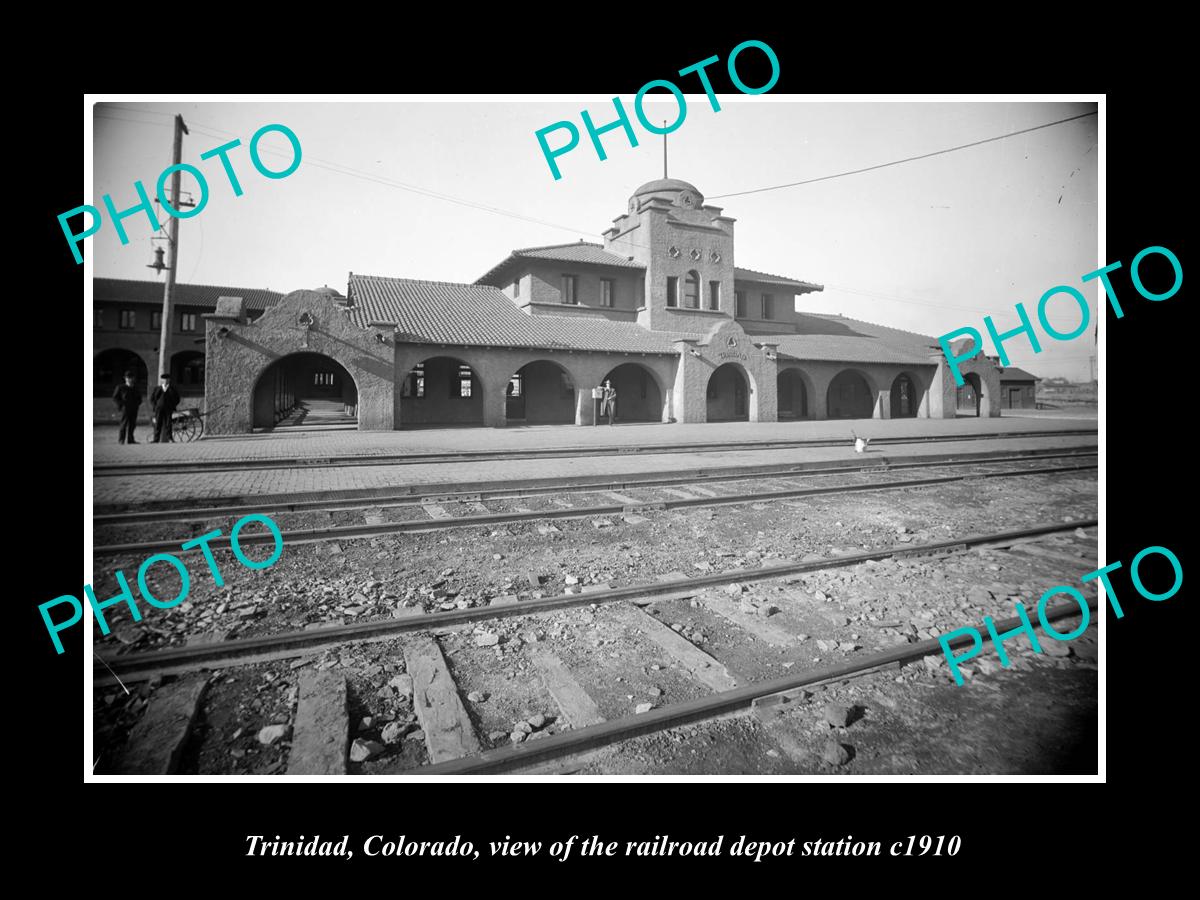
x: 187, y: 429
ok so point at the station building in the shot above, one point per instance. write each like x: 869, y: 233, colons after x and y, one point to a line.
x: 659, y: 308
x: 1018, y: 388
x: 126, y: 320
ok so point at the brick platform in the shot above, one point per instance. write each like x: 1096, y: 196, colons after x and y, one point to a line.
x: 322, y: 443
x: 137, y: 489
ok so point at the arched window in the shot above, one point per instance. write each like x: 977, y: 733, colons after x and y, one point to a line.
x: 691, y: 290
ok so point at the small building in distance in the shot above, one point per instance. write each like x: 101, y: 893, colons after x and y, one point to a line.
x: 1018, y: 389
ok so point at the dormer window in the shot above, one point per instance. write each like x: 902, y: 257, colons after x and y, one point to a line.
x: 516, y: 288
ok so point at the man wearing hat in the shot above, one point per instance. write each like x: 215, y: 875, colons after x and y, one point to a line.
x: 128, y: 400
x: 608, y: 404
x: 163, y: 400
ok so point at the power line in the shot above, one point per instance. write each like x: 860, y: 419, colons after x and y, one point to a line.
x: 876, y: 294
x: 351, y: 172
x: 908, y: 159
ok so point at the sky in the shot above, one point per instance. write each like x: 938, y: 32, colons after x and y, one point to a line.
x: 927, y: 246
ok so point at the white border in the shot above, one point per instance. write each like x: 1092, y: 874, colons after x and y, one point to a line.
x: 1101, y: 242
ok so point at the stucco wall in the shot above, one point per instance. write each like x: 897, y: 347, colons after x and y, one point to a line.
x: 880, y: 377
x: 946, y: 388
x: 545, y: 280
x: 494, y: 366
x: 725, y: 342
x: 442, y: 403
x: 237, y: 359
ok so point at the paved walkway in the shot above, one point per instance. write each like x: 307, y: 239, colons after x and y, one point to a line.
x: 289, y: 444
x: 138, y: 489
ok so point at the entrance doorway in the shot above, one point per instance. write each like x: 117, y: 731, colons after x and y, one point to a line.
x: 305, y: 389
x: 638, y: 396
x: 970, y: 395
x: 905, y: 400
x: 850, y: 397
x: 792, y: 395
x: 728, y: 393
x: 540, y: 393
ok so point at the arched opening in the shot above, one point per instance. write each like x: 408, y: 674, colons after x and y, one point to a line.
x: 638, y: 396
x: 970, y: 395
x: 441, y: 390
x: 905, y: 397
x: 109, y: 368
x: 850, y: 396
x: 187, y: 368
x: 792, y: 395
x: 306, y: 389
x: 540, y: 393
x: 728, y: 394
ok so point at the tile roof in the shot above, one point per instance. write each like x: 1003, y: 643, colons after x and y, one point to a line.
x: 1012, y: 373
x: 127, y: 290
x: 839, y: 339
x: 579, y: 252
x: 741, y: 274
x: 444, y: 312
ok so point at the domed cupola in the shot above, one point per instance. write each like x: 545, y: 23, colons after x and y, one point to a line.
x: 678, y: 193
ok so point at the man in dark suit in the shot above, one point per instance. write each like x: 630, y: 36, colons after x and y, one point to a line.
x: 163, y: 400
x: 128, y: 400
x: 608, y: 405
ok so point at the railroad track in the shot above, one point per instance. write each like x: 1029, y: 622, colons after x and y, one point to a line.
x: 436, y: 517
x: 419, y: 494
x: 104, y: 470
x: 323, y: 726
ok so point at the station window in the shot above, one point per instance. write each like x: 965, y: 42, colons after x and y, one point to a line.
x: 739, y: 299
x: 460, y: 387
x: 323, y: 379
x: 155, y: 321
x: 691, y: 291
x: 606, y: 291
x: 516, y: 288
x: 672, y: 290
x: 514, y: 385
x: 128, y: 318
x: 187, y: 321
x: 98, y: 316
x: 714, y: 295
x: 570, y: 289
x: 768, y: 306
x: 415, y: 385
x: 192, y: 372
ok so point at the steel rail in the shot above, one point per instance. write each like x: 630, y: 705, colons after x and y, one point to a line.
x: 398, y: 459
x: 591, y: 737
x: 386, y: 498
x: 301, y: 642
x: 351, y: 532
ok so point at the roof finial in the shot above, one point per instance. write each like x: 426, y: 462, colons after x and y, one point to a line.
x: 664, y: 149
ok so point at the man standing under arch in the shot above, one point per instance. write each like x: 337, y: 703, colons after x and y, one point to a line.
x: 608, y: 403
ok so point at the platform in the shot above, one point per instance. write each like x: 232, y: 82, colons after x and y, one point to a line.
x: 284, y: 444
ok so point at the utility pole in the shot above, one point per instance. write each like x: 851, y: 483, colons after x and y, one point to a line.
x: 164, y: 335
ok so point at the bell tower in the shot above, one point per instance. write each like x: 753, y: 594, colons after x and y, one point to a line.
x: 687, y: 249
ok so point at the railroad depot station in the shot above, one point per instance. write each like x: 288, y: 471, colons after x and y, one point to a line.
x: 659, y: 309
